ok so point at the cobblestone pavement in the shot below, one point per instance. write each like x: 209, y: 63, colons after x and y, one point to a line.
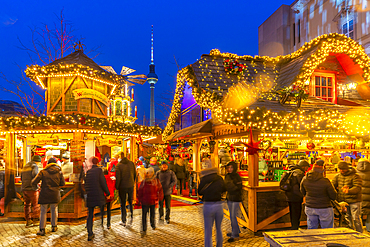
x: 185, y: 229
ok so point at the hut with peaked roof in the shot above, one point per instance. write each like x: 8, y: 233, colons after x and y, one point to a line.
x: 320, y: 94
x: 88, y: 113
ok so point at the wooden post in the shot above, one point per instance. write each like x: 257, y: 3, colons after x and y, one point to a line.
x: 252, y: 209
x: 253, y: 170
x: 214, y: 156
x: 133, y: 149
x: 196, y: 157
x: 10, y: 166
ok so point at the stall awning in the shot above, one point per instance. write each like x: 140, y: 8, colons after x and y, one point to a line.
x: 204, y: 127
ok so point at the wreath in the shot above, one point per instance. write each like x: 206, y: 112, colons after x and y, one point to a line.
x: 232, y: 66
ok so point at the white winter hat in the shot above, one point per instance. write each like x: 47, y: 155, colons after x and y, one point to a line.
x: 49, y: 153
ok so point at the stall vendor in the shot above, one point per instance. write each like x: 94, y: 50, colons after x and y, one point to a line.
x: 67, y: 166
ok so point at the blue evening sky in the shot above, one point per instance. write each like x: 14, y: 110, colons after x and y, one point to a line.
x: 182, y: 29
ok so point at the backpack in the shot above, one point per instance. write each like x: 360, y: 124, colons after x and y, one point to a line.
x: 286, y: 183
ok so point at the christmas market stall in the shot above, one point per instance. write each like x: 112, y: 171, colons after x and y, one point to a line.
x: 88, y: 113
x: 270, y: 112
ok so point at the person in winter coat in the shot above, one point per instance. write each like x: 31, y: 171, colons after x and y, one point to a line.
x: 181, y: 171
x: 111, y: 183
x: 67, y: 166
x: 154, y: 165
x: 349, y: 185
x: 319, y: 192
x: 30, y: 192
x: 52, y: 179
x: 233, y: 183
x: 168, y: 180
x: 211, y: 187
x: 150, y: 191
x: 294, y: 197
x: 363, y: 169
x: 125, y: 182
x: 96, y: 192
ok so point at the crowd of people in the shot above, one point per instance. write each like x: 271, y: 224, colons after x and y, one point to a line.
x: 150, y: 183
x: 349, y: 189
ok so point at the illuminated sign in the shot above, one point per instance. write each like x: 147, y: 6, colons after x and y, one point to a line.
x: 90, y: 94
x: 43, y: 142
x: 109, y: 142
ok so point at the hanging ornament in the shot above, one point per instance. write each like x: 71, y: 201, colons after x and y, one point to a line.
x: 82, y: 120
x: 310, y: 145
x: 232, y: 66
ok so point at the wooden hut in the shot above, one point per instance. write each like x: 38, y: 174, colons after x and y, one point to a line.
x: 320, y: 93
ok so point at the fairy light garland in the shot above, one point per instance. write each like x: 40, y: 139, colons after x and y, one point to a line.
x: 328, y: 120
x: 35, y: 72
x: 83, y: 121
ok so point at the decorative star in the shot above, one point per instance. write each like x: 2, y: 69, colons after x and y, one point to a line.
x: 252, y: 146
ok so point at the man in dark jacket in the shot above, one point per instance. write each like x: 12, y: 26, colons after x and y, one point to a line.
x: 363, y: 169
x: 233, y: 183
x: 319, y: 192
x: 349, y: 185
x: 95, y: 187
x: 211, y: 187
x: 294, y: 197
x: 30, y: 192
x: 168, y: 180
x: 52, y: 178
x: 125, y: 182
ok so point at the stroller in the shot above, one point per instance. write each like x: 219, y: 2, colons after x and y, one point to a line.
x: 339, y: 212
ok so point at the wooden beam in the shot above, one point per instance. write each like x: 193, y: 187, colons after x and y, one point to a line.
x: 252, y: 209
x: 240, y: 221
x: 272, y: 218
x: 101, y: 109
x: 242, y: 209
x: 60, y: 97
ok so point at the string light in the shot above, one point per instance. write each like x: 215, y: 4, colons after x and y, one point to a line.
x: 328, y: 120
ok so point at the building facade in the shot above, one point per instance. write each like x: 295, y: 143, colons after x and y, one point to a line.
x: 290, y: 27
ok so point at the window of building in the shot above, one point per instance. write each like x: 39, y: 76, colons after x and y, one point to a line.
x: 323, y: 86
x: 347, y: 29
x: 299, y: 31
x: 293, y: 34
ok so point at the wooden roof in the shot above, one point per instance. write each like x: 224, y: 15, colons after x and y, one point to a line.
x: 78, y: 57
x: 208, y: 76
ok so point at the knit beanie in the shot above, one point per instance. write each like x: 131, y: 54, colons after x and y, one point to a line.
x: 343, y: 165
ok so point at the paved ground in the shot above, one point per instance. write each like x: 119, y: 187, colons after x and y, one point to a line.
x: 186, y: 229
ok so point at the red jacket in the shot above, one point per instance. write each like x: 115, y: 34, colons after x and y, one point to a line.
x: 111, y: 185
x: 150, y: 191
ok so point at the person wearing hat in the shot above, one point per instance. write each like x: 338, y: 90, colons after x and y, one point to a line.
x: 294, y: 196
x: 30, y: 192
x: 96, y: 193
x: 363, y: 169
x: 67, y: 166
x: 150, y: 191
x: 51, y: 178
x: 168, y: 181
x: 49, y: 155
x: 348, y: 184
x: 211, y: 187
x: 319, y: 192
